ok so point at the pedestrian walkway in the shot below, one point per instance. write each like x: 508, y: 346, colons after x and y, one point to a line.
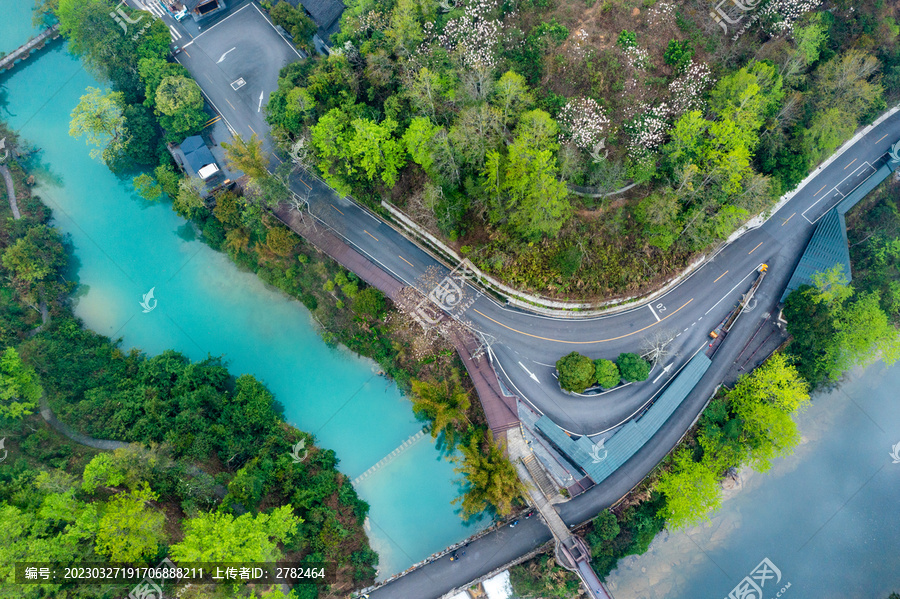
x: 24, y: 51
x: 570, y: 548
x: 389, y: 457
x: 10, y: 191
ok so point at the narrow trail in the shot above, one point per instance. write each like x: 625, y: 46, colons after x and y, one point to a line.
x: 10, y: 191
x: 66, y: 431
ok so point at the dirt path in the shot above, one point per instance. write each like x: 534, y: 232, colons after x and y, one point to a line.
x: 10, y: 191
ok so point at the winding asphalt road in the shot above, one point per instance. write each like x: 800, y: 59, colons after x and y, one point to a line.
x: 525, y: 345
x: 243, y: 46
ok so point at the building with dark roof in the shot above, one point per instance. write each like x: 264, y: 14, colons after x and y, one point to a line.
x: 198, y: 157
x: 203, y: 9
x: 326, y: 13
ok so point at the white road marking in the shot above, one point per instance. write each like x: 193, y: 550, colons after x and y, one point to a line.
x: 154, y: 8
x: 531, y: 374
x: 664, y: 371
x: 258, y: 108
x: 654, y: 313
x: 732, y: 289
x: 175, y: 35
x: 221, y: 58
x: 857, y: 171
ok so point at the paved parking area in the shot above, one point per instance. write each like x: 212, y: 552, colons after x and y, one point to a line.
x: 236, y: 62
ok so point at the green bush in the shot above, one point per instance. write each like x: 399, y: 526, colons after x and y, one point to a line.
x: 633, y: 367
x: 576, y: 372
x: 607, y: 373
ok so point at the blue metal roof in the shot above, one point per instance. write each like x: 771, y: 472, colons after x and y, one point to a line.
x: 634, y: 434
x: 828, y: 245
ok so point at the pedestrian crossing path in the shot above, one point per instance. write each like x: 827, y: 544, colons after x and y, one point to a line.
x: 157, y: 10
x: 389, y: 457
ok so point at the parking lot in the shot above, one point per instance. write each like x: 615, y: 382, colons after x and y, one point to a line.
x: 236, y: 62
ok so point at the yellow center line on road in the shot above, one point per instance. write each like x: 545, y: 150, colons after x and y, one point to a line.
x: 787, y: 219
x: 370, y: 235
x: 820, y: 191
x: 584, y: 342
x: 882, y: 137
x: 248, y: 126
x: 754, y: 249
x: 230, y: 104
x: 333, y: 206
x: 405, y: 260
x: 720, y: 276
x: 851, y: 162
x: 185, y: 51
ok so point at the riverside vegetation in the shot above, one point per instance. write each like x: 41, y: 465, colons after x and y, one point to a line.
x: 204, y: 471
x: 154, y: 100
x: 474, y: 119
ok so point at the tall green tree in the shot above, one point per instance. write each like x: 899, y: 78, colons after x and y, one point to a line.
x: 491, y: 479
x: 691, y: 490
x: 534, y: 201
x: 376, y: 151
x: 36, y: 257
x: 217, y: 536
x: 179, y: 103
x: 100, y: 118
x: 19, y: 387
x: 576, y: 372
x: 247, y: 156
x: 130, y: 530
x: 607, y: 373
x: 445, y: 403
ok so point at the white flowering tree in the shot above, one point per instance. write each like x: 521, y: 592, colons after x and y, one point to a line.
x: 583, y: 123
x: 688, y: 90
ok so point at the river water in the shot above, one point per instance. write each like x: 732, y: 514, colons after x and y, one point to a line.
x: 125, y: 246
x: 826, y: 517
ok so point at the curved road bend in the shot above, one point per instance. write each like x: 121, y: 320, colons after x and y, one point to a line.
x: 701, y: 298
x: 527, y: 345
x: 243, y: 46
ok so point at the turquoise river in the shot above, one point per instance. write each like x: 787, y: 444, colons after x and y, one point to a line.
x: 125, y: 246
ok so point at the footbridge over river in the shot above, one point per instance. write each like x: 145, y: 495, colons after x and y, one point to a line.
x: 25, y: 50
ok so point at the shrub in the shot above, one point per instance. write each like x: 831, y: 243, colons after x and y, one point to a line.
x: 633, y: 367
x: 576, y: 372
x: 607, y: 373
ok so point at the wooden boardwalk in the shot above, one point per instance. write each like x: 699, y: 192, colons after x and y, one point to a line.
x: 24, y: 51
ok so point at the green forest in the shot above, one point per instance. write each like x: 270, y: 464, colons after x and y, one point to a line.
x: 203, y: 468
x: 499, y: 126
x: 485, y: 120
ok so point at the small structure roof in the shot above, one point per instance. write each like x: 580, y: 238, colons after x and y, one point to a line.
x: 324, y: 12
x: 828, y: 246
x: 634, y: 434
x: 196, y: 153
